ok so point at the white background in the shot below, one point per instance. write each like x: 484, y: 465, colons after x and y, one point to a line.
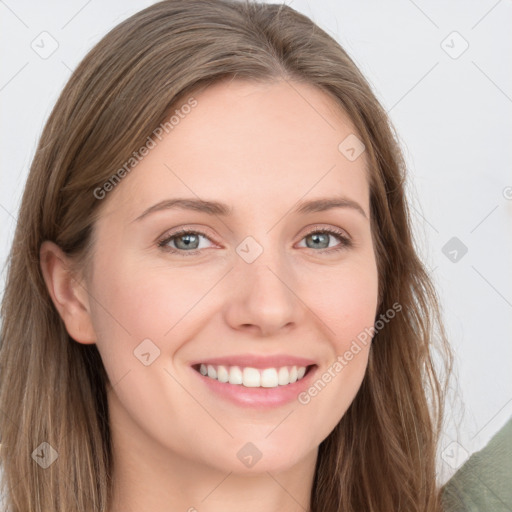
x: 454, y: 119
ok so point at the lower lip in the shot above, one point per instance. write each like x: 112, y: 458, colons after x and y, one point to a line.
x: 259, y: 397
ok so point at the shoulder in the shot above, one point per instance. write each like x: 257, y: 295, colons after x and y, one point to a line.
x: 483, y: 483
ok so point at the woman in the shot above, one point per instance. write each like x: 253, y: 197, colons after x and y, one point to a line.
x: 286, y: 361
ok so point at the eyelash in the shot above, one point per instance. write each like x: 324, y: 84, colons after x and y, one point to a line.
x: 345, y: 241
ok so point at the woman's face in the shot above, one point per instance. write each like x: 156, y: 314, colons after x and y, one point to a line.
x: 259, y: 286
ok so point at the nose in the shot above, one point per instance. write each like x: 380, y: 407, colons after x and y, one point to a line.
x: 262, y: 297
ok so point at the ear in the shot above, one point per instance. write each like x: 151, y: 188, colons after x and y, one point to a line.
x: 69, y: 296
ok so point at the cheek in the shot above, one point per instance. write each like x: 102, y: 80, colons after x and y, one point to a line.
x: 143, y: 301
x: 347, y: 308
x: 134, y: 302
x: 346, y: 300
x: 355, y: 312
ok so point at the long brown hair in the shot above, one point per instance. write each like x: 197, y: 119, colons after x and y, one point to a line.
x: 382, y: 454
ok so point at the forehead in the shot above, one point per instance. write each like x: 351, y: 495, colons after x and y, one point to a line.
x: 253, y: 145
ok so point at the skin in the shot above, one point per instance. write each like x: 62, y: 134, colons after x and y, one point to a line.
x: 259, y: 148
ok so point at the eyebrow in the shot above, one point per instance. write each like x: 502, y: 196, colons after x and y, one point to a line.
x: 222, y: 209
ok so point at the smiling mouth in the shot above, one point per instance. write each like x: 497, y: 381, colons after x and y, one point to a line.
x: 254, y: 377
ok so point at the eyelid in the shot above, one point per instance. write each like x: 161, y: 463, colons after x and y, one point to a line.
x: 175, y: 233
x: 313, y: 228
x: 187, y: 229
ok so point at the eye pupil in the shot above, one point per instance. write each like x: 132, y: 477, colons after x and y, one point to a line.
x: 319, y: 237
x: 186, y: 240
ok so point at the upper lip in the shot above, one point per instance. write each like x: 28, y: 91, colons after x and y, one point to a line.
x: 256, y: 361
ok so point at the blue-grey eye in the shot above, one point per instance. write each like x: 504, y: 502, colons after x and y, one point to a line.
x: 186, y: 241
x: 190, y: 241
x: 319, y: 240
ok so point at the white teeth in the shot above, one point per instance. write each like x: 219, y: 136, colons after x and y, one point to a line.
x: 253, y: 377
x: 235, y: 375
x: 293, y: 374
x: 222, y: 374
x: 283, y: 377
x: 269, y: 378
x: 212, y: 372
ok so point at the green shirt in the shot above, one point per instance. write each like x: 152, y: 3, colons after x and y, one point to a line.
x: 484, y: 482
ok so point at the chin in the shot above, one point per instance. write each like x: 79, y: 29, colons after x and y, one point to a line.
x: 264, y: 456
